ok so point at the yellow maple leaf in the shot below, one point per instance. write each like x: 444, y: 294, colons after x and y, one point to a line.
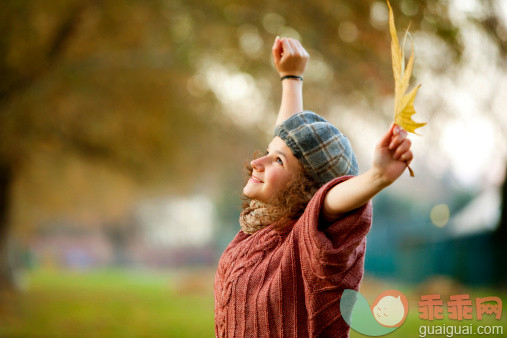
x: 403, y: 103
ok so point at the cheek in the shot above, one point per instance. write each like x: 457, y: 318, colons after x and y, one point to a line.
x: 280, y: 179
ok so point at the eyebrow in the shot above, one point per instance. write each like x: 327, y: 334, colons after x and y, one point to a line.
x: 278, y: 152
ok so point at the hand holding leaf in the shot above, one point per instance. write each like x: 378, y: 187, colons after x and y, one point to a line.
x: 403, y: 103
x: 392, y: 154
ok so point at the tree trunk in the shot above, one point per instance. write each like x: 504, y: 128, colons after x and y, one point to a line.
x: 6, y: 268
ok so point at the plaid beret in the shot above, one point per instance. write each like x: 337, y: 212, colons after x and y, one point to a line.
x: 319, y: 146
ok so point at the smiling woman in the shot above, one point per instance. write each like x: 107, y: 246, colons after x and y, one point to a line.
x: 271, y: 172
x: 284, y: 207
x: 304, y: 224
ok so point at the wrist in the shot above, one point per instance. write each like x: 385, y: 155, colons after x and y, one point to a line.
x: 292, y: 84
x: 291, y: 77
x: 288, y: 72
x: 378, y: 178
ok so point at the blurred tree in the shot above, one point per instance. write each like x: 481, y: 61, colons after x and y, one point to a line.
x: 124, y: 83
x: 101, y: 81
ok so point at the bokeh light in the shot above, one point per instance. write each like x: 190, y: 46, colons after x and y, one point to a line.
x: 440, y: 215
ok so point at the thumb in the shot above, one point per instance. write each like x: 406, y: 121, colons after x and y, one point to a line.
x: 386, y: 139
x: 286, y: 48
x: 277, y: 50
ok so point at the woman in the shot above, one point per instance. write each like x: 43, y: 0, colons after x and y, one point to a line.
x: 303, y: 232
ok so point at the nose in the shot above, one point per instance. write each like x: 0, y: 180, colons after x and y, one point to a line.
x: 257, y: 164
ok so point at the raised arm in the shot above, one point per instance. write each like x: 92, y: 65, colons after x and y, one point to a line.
x: 290, y: 58
x: 388, y: 164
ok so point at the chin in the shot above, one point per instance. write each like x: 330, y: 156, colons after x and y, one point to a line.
x: 247, y: 192
x: 251, y: 193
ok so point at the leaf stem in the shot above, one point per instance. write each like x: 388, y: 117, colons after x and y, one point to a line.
x: 410, y: 171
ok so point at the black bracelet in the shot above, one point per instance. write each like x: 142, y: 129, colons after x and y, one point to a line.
x: 291, y: 77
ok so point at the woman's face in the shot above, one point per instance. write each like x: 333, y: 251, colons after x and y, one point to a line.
x: 272, y: 171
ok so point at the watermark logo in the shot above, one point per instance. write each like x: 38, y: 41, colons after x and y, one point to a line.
x: 459, y: 307
x: 386, y: 314
x: 389, y: 311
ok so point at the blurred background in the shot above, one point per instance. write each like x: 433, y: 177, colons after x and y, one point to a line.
x: 125, y: 126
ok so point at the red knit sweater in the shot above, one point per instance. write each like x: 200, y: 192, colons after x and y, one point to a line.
x: 289, y: 283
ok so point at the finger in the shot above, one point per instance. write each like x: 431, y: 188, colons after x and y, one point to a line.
x: 275, y: 42
x: 396, y: 141
x: 297, y: 46
x: 277, y: 50
x: 386, y: 139
x: 293, y: 45
x: 277, y: 45
x: 302, y: 49
x: 286, y: 48
x: 402, y: 149
x: 297, y: 49
x: 398, y: 129
x: 407, y: 157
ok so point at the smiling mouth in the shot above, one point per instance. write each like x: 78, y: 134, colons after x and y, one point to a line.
x: 256, y: 180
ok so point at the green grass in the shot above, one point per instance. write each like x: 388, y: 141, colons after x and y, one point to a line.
x: 116, y: 303
x: 106, y: 304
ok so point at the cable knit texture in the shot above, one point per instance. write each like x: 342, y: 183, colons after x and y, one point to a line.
x: 289, y: 282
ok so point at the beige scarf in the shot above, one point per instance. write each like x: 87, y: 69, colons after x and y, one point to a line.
x: 255, y: 217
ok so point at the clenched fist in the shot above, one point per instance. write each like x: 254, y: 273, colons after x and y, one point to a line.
x: 289, y: 57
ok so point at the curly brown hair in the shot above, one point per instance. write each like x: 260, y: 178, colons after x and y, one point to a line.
x: 289, y: 204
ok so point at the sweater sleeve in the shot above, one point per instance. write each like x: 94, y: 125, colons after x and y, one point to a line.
x: 330, y: 254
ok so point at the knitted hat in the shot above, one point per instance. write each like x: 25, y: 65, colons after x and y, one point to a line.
x: 323, y: 151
